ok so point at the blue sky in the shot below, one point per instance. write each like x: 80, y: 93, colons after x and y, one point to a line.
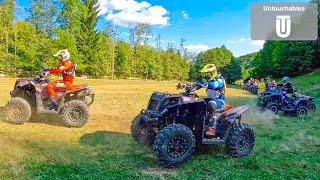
x: 202, y: 23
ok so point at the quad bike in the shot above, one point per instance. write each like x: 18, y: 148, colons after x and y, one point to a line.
x: 253, y: 89
x: 173, y: 124
x: 299, y: 105
x: 29, y: 97
x: 245, y: 83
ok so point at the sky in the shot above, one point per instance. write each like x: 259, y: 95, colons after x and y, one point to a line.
x: 204, y: 24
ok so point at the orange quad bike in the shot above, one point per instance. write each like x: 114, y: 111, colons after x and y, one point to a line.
x: 29, y: 97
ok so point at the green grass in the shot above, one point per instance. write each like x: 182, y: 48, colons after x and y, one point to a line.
x: 286, y: 147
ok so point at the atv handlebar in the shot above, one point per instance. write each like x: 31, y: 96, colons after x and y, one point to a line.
x: 43, y: 72
x: 190, y: 87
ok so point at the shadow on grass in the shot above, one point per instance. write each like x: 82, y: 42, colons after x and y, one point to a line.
x: 49, y: 119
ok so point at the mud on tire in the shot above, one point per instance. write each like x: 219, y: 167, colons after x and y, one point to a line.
x: 141, y: 134
x: 17, y: 111
x: 241, y: 140
x: 174, y: 145
x: 75, y: 113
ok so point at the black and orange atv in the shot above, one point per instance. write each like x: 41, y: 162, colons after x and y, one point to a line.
x: 173, y: 124
x: 29, y: 97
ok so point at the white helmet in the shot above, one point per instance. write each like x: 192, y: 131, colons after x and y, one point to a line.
x: 64, y: 53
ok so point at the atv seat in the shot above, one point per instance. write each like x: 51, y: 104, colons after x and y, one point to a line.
x: 76, y: 87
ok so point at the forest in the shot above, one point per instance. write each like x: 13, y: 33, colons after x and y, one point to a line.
x: 27, y: 44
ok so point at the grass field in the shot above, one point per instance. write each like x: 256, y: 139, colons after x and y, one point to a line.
x: 286, y: 147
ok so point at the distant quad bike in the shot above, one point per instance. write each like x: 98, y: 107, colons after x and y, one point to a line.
x: 29, y: 97
x: 174, y: 124
x: 253, y: 89
x: 298, y: 105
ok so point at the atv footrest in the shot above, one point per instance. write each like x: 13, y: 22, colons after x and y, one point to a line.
x: 213, y: 141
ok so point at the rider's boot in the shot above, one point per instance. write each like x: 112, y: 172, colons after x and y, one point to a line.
x: 211, y: 129
x: 52, y: 102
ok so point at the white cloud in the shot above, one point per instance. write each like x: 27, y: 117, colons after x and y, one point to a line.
x: 122, y: 5
x: 125, y: 33
x: 130, y: 12
x: 231, y: 41
x: 197, y: 48
x: 258, y: 43
x: 242, y: 39
x: 185, y: 14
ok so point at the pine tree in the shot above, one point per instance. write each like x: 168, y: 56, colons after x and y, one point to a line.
x: 89, y: 40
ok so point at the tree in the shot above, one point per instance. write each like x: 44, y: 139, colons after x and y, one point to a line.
x: 122, y: 61
x: 6, y: 30
x: 232, y: 71
x: 90, y: 41
x: 43, y: 15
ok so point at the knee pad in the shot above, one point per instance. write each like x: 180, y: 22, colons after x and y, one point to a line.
x: 212, y: 105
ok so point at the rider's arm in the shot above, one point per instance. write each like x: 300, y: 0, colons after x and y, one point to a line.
x: 65, y: 66
x: 201, y: 83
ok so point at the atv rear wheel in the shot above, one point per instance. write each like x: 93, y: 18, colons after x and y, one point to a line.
x: 140, y: 133
x: 273, y: 107
x: 241, y: 140
x: 17, y: 111
x: 174, y: 145
x: 75, y: 113
x: 302, y: 111
x: 312, y: 108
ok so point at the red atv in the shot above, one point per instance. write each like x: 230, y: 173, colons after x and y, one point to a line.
x: 29, y: 97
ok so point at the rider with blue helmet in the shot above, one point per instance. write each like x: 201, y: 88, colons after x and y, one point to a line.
x: 287, y: 88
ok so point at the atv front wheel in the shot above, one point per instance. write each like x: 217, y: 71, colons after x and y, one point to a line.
x: 302, y: 111
x: 273, y: 107
x: 17, y: 111
x: 312, y: 107
x: 141, y: 134
x: 75, y: 113
x: 241, y: 140
x: 174, y: 145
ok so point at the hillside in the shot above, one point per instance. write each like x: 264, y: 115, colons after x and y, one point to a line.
x: 308, y: 84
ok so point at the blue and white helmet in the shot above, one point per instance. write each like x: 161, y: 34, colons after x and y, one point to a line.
x: 285, y: 80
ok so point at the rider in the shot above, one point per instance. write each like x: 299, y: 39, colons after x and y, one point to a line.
x: 287, y: 88
x: 67, y: 68
x: 215, y: 85
x: 261, y: 86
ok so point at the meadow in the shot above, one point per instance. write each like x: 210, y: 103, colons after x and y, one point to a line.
x: 285, y: 148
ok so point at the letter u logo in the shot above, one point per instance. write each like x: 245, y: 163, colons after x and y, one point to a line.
x: 283, y: 26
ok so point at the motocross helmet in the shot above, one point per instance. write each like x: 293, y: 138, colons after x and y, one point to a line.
x: 209, y: 72
x: 64, y: 53
x: 285, y: 80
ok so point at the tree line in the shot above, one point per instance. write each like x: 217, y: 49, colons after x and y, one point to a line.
x: 27, y: 44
